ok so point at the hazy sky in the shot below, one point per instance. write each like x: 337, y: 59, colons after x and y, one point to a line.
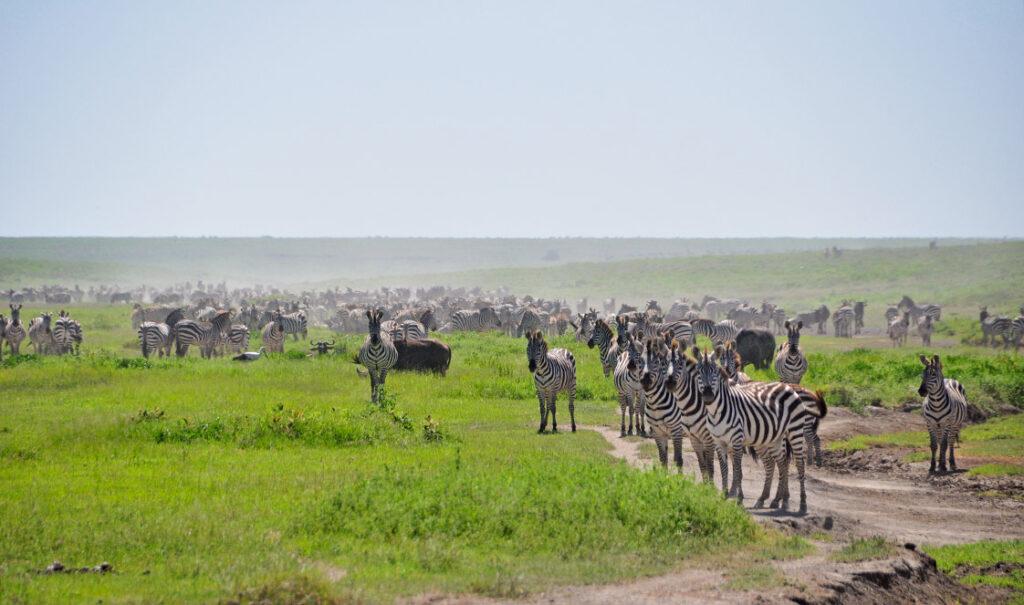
x: 512, y: 118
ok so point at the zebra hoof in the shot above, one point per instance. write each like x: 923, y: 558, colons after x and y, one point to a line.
x: 759, y: 504
x: 803, y: 508
x: 622, y: 433
x: 574, y: 428
x: 554, y: 429
x: 540, y: 431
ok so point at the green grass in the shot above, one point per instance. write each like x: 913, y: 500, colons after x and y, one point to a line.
x: 993, y: 563
x: 201, y: 479
x: 864, y: 549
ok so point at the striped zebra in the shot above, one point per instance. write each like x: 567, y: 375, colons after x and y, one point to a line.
x: 473, y: 321
x: 207, y: 335
x: 238, y: 338
x: 3, y: 332
x: 554, y: 372
x: 791, y: 363
x: 897, y: 330
x: 15, y: 331
x: 993, y: 327
x: 606, y: 344
x: 40, y: 334
x: 925, y: 327
x: 154, y: 336
x: 891, y: 313
x: 585, y: 328
x: 908, y: 305
x: 674, y: 410
x: 719, y: 333
x: 272, y: 334
x: 810, y: 400
x: 626, y: 377
x: 768, y: 420
x: 295, y: 324
x: 729, y: 359
x: 843, y: 321
x: 63, y: 334
x: 945, y: 411
x: 858, y: 316
x: 1017, y: 331
x: 680, y: 330
x: 530, y: 322
x: 378, y: 354
x: 818, y: 317
x: 410, y: 329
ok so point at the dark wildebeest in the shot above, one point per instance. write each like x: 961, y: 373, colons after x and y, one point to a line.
x: 756, y: 346
x: 423, y: 355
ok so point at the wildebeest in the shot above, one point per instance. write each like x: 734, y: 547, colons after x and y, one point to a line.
x: 423, y: 355
x: 756, y: 346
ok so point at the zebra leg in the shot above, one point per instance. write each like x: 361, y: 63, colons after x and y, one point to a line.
x: 782, y: 491
x: 572, y: 407
x: 373, y: 386
x: 641, y: 414
x: 623, y: 404
x: 723, y: 466
x: 543, y: 412
x: 662, y: 442
x: 709, y: 461
x: 677, y: 443
x: 801, y: 471
x: 737, y: 472
x: 953, y: 438
x: 551, y: 409
x: 933, y: 442
x: 942, y: 450
x: 768, y: 459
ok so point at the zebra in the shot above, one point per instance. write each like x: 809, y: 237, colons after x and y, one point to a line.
x: 843, y: 321
x: 295, y: 324
x: 810, y: 400
x: 891, y: 313
x: 719, y: 333
x: 1017, y: 331
x: 907, y: 304
x: 680, y: 330
x: 816, y: 317
x: 729, y: 359
x: 238, y: 338
x: 272, y: 334
x: 992, y: 326
x: 554, y: 372
x: 63, y: 334
x: 585, y: 327
x: 3, y: 332
x: 945, y: 411
x: 925, y: 327
x: 626, y: 377
x: 858, y: 316
x: 673, y: 408
x: 607, y: 346
x: 154, y: 336
x: 791, y: 363
x: 40, y: 334
x: 410, y: 329
x: 378, y: 354
x: 897, y: 330
x: 769, y: 419
x: 207, y: 335
x: 474, y: 321
x: 529, y: 323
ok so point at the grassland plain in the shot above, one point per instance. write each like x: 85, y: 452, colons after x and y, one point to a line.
x: 200, y: 479
x: 958, y: 277
x: 286, y: 261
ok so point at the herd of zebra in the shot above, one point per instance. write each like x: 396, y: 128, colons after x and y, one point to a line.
x: 212, y: 331
x: 47, y: 337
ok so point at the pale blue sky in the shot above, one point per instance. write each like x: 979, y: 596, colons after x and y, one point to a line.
x: 512, y: 118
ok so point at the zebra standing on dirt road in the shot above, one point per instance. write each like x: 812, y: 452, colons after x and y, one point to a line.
x: 378, y: 354
x: 945, y: 411
x: 791, y: 363
x: 554, y: 372
x: 767, y: 419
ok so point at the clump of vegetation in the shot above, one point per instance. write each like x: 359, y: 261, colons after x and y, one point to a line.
x: 864, y: 549
x: 988, y: 562
x: 433, y: 432
x: 147, y: 416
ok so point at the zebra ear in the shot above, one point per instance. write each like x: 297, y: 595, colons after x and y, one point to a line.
x: 935, y: 360
x: 696, y: 352
x: 369, y: 314
x: 924, y: 360
x: 786, y: 324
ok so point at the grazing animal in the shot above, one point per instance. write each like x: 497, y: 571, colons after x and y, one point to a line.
x: 907, y: 305
x: 238, y: 338
x: 423, y: 355
x: 3, y: 333
x: 63, y: 334
x: 154, y: 336
x: 816, y: 317
x: 530, y: 322
x: 626, y: 377
x: 679, y: 329
x: 273, y: 334
x: 250, y: 355
x: 681, y: 380
x: 858, y: 316
x: 585, y: 328
x: 843, y: 321
x: 992, y: 327
x: 295, y: 324
x: 719, y: 333
x: 791, y: 363
x: 897, y: 330
x: 474, y: 321
x: 608, y: 349
x: 945, y: 411
x: 925, y: 327
x: 40, y: 334
x: 320, y: 347
x: 207, y: 335
x: 554, y: 372
x: 770, y: 420
x: 729, y: 359
x: 378, y: 354
x: 756, y: 346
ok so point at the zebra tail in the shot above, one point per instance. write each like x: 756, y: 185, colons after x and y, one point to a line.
x: 752, y: 452
x: 822, y: 407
